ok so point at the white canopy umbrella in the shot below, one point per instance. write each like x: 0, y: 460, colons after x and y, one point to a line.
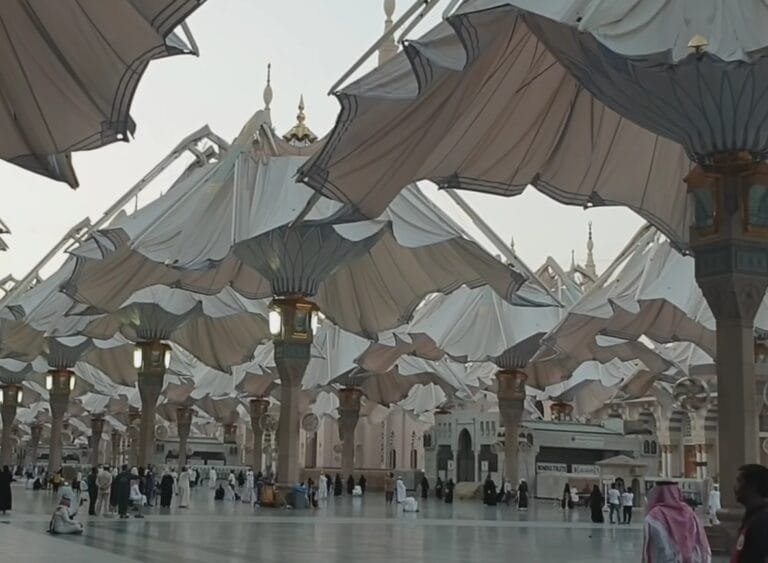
x: 365, y: 276
x: 70, y: 71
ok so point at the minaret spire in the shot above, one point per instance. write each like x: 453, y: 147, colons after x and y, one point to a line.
x: 590, y: 265
x: 388, y: 49
x: 268, y: 94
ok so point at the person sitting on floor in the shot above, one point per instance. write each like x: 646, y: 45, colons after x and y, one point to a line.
x: 62, y: 521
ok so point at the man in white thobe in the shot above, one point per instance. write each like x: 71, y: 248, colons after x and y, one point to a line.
x: 212, y: 479
x: 400, y: 490
x: 322, y: 487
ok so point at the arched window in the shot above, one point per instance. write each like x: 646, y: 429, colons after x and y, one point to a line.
x: 646, y: 447
x: 392, y: 459
x: 414, y: 459
x: 654, y: 448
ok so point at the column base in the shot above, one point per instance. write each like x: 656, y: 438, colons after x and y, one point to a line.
x: 723, y: 535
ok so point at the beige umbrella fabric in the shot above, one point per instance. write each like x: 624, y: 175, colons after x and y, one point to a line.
x: 69, y: 70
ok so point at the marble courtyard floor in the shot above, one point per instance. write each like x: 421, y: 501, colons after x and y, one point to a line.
x: 345, y: 530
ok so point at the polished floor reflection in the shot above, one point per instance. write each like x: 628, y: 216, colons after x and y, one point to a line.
x: 345, y: 530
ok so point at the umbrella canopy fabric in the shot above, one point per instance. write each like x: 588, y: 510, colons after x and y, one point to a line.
x: 69, y: 71
x: 228, y: 222
x: 592, y: 102
x: 649, y: 290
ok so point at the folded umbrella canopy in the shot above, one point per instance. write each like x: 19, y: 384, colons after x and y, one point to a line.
x: 229, y: 222
x: 69, y: 70
x: 591, y: 102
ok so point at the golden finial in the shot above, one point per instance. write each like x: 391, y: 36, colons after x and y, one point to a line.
x: 300, y: 134
x: 268, y: 94
x: 698, y: 43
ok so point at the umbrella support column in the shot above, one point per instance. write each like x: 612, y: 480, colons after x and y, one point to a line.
x: 183, y: 427
x: 291, y: 359
x: 258, y: 408
x: 36, y: 430
x: 349, y: 414
x: 153, y: 355
x: 10, y: 402
x: 97, y: 427
x: 511, y: 396
x: 134, y: 421
x: 730, y: 238
x: 59, y: 399
x: 116, y: 438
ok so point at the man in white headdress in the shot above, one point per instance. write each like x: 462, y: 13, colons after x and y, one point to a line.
x: 322, y: 487
x: 62, y: 521
x: 714, y: 504
x: 184, y: 488
x: 400, y: 490
x: 212, y: 478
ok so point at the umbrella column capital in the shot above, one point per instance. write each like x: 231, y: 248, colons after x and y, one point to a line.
x: 183, y: 427
x: 10, y: 397
x: 511, y: 395
x: 730, y: 240
x: 97, y: 428
x: 151, y: 360
x: 349, y: 415
x: 59, y: 383
x: 257, y: 407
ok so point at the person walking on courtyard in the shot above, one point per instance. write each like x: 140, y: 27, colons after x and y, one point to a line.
x: 614, y: 503
x: 350, y: 485
x: 93, y: 491
x: 149, y: 485
x: 522, y: 495
x: 123, y: 491
x: 362, y: 482
x: 424, y: 487
x: 166, y: 489
x: 389, y: 488
x: 566, y: 501
x: 449, y: 491
x: 672, y: 530
x: 232, y: 480
x: 400, y: 491
x: 489, y: 492
x: 104, y: 486
x: 322, y: 487
x: 596, y: 502
x: 6, y: 478
x: 627, y: 501
x: 184, y: 488
x: 752, y: 492
x: 212, y: 478
x: 713, y: 504
x: 439, y: 488
x: 337, y: 487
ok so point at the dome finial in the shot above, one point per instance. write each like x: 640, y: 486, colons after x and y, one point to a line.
x: 300, y: 134
x: 389, y: 48
x: 268, y: 94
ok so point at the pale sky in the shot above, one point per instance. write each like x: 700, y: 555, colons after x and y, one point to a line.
x: 310, y: 43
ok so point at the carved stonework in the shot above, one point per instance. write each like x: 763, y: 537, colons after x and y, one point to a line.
x: 734, y: 297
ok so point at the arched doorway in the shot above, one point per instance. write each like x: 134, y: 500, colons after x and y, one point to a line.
x: 465, y: 462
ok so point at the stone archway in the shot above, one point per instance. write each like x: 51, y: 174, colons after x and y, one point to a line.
x: 465, y: 460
